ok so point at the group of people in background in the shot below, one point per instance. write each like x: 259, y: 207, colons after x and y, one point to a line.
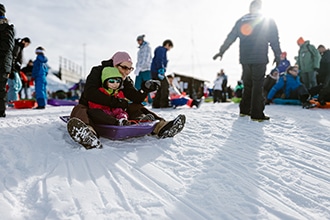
x: 14, y: 79
x: 154, y: 67
x: 308, y: 78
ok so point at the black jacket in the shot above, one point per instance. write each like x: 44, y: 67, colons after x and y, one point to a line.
x: 94, y: 82
x: 324, y: 71
x: 255, y: 33
x: 6, y: 46
x: 17, y: 55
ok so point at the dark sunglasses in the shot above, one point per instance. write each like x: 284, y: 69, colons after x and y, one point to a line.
x: 126, y: 68
x: 114, y: 81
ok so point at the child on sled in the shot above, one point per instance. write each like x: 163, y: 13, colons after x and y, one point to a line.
x: 101, y: 114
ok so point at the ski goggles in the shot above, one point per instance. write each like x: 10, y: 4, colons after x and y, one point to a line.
x: 114, y: 80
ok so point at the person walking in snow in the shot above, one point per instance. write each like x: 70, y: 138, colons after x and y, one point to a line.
x: 255, y: 32
x: 143, y: 63
x: 7, y: 37
x: 81, y: 120
x: 39, y: 73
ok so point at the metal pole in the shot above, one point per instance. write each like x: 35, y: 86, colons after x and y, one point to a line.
x: 84, y: 57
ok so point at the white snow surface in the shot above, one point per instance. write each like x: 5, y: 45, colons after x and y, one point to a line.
x: 221, y: 166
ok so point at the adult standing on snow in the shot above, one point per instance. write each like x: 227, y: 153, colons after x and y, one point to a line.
x: 15, y: 81
x: 39, y: 73
x: 7, y: 35
x: 144, y: 58
x: 217, y: 88
x: 308, y: 62
x: 255, y: 33
x: 158, y: 69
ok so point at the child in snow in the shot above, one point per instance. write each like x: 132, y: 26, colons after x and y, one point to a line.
x: 101, y: 114
x: 111, y: 83
x: 39, y: 73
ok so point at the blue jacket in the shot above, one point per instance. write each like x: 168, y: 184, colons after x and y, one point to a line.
x: 159, y: 61
x: 284, y: 64
x: 40, y: 68
x: 288, y: 81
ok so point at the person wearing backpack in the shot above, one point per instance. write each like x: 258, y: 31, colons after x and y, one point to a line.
x: 7, y: 36
x: 308, y: 62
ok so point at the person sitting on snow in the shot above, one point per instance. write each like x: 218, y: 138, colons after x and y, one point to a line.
x: 111, y: 83
x: 270, y: 80
x: 179, y: 99
x: 291, y: 86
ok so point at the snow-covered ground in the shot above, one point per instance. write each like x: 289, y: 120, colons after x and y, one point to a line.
x: 221, y: 166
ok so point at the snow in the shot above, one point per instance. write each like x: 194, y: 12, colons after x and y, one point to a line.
x: 221, y: 166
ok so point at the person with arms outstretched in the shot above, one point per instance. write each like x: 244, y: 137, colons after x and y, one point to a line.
x: 255, y: 32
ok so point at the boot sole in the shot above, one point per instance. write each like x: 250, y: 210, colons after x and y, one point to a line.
x: 177, y: 126
x: 82, y: 134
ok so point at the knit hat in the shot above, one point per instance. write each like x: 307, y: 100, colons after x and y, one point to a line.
x: 140, y: 37
x: 273, y: 71
x: 2, y: 10
x: 108, y: 73
x: 40, y: 50
x: 300, y: 41
x: 120, y: 57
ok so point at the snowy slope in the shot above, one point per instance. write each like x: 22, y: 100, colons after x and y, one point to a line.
x: 221, y: 166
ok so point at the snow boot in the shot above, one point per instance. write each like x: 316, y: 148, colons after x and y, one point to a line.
x: 308, y: 105
x: 172, y: 127
x: 265, y: 118
x: 83, y: 134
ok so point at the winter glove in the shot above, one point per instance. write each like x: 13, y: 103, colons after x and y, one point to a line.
x: 122, y: 103
x: 161, y: 73
x: 150, y: 85
x: 17, y: 66
x: 216, y: 56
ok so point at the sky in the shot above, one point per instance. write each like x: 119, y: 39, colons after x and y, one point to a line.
x: 87, y: 31
x: 221, y: 166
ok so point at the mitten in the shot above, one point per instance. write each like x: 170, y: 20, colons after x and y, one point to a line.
x: 122, y: 103
x: 150, y: 85
x: 161, y: 73
x: 216, y: 56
